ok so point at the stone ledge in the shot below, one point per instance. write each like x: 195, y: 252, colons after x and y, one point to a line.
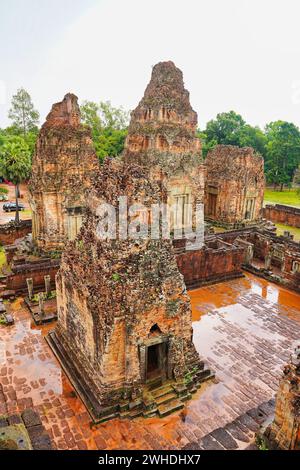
x: 126, y: 409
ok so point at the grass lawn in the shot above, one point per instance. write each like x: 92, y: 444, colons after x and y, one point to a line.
x: 293, y: 230
x: 288, y: 197
x: 26, y: 214
x: 2, y: 257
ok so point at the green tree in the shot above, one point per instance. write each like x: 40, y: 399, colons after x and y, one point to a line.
x: 207, y: 145
x: 282, y: 152
x: 231, y: 129
x: 15, y: 164
x: 225, y: 129
x: 250, y: 136
x: 25, y: 118
x: 113, y: 118
x: 108, y: 125
x: 90, y: 116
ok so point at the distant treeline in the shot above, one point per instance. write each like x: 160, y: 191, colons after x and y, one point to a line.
x: 278, y: 142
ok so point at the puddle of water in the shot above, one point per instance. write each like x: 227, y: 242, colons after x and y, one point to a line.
x: 215, y: 308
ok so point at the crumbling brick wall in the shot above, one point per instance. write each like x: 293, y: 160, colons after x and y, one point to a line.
x: 215, y: 262
x: 36, y: 270
x: 234, y: 188
x: 11, y: 232
x: 63, y: 166
x: 282, y: 214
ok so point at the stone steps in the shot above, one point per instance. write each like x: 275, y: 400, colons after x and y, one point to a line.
x: 155, y: 383
x: 161, y: 391
x: 168, y: 408
x: 165, y: 398
x: 204, y: 375
x: 135, y: 413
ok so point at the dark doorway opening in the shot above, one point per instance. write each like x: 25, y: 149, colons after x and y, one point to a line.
x: 212, y: 204
x: 153, y: 362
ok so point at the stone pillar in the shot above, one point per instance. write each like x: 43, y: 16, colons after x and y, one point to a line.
x: 29, y: 283
x: 41, y: 305
x: 143, y: 362
x: 249, y: 254
x: 47, y: 280
x: 268, y: 260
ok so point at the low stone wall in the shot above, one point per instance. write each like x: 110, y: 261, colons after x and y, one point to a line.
x: 10, y: 232
x: 216, y: 261
x: 282, y: 214
x: 36, y: 270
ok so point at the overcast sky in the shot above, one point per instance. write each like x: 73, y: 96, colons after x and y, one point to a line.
x: 235, y: 54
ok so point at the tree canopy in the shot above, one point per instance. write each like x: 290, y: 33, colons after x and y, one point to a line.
x: 108, y: 125
x: 278, y: 142
x: 231, y: 129
x: 22, y: 113
x: 282, y: 152
x: 15, y: 162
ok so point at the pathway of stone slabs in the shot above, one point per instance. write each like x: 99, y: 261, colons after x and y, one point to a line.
x: 244, y: 337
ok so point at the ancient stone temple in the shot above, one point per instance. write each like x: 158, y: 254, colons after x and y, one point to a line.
x: 63, y: 164
x: 234, y: 187
x: 284, y: 432
x: 162, y: 138
x: 124, y: 332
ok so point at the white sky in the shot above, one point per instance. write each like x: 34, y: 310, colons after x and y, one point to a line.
x: 235, y: 54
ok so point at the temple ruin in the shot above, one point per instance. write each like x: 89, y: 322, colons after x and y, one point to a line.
x: 124, y: 317
x: 284, y: 432
x: 162, y: 139
x: 62, y: 168
x: 234, y: 188
x: 124, y: 333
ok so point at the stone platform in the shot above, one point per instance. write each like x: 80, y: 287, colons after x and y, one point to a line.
x: 245, y: 329
x: 159, y: 398
x: 49, y: 314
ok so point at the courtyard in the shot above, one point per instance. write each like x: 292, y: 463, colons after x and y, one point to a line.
x: 245, y: 330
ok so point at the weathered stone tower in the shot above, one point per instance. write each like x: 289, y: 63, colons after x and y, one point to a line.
x: 162, y: 139
x: 234, y: 189
x: 63, y: 164
x: 284, y: 432
x: 124, y: 316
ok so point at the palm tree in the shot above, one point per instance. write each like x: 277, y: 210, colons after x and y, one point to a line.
x: 15, y: 165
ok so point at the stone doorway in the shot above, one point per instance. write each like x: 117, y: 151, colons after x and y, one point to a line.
x: 212, y: 204
x: 153, y: 362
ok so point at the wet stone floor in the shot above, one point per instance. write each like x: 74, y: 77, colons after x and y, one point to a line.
x: 244, y: 329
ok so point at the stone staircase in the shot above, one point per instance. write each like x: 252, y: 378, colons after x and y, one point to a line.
x: 163, y: 398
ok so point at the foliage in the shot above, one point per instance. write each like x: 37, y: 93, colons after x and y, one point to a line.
x: 283, y: 152
x: 115, y: 277
x: 25, y: 118
x: 51, y: 295
x: 2, y: 257
x: 108, y: 125
x: 231, y: 129
x: 261, y: 443
x: 225, y: 129
x: 15, y: 163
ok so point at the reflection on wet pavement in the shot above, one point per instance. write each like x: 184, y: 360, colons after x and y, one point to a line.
x: 245, y: 329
